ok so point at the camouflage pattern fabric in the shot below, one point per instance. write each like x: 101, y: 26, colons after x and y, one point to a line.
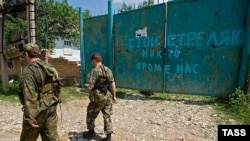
x: 35, y: 75
x: 96, y: 72
x: 99, y: 101
x: 47, y: 121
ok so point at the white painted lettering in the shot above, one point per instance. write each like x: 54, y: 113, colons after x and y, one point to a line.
x: 237, y: 37
x: 179, y: 69
x: 171, y: 39
x: 154, y: 41
x: 157, y: 68
x: 138, y: 41
x: 188, y: 69
x: 176, y: 53
x: 195, y: 68
x: 212, y: 40
x: 159, y: 54
x: 200, y: 38
x: 225, y: 38
x: 146, y: 42
x: 152, y: 54
x: 167, y: 69
x: 143, y: 42
x: 150, y: 67
x: 191, y: 36
x: 144, y: 54
x: 181, y: 38
x: 170, y: 52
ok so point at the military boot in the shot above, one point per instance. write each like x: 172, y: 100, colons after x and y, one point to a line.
x: 108, y: 137
x: 89, y: 134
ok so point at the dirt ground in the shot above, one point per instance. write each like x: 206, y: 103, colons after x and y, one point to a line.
x: 135, y: 118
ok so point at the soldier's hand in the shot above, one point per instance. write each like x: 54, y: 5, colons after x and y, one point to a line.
x: 89, y: 86
x: 114, y: 99
x: 33, y: 123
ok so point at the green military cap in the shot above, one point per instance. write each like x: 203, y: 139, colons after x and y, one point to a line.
x: 31, y: 47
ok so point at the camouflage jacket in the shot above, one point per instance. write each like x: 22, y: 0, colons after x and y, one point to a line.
x: 97, y: 72
x: 35, y: 76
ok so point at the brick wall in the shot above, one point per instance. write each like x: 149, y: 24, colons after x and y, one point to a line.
x: 65, y: 68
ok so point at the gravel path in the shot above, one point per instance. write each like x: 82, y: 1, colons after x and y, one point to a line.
x: 135, y: 119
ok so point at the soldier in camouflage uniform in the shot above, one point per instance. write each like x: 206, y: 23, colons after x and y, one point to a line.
x: 101, y: 99
x: 38, y: 95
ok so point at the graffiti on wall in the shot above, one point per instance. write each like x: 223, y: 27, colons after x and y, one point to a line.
x: 148, y: 46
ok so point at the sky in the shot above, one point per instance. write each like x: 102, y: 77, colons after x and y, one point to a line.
x: 99, y: 7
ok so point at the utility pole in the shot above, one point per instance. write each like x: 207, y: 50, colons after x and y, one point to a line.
x: 4, y: 66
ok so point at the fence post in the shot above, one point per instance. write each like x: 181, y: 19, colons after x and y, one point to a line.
x: 4, y: 67
x: 245, y: 53
x: 110, y: 35
x: 81, y: 48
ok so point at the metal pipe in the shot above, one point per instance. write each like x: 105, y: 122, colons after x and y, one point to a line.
x: 110, y: 35
x: 245, y: 53
x: 81, y: 48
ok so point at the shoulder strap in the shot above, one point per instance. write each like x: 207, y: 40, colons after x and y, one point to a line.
x: 103, y: 71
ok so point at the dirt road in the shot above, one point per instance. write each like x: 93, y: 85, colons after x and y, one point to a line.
x: 135, y: 118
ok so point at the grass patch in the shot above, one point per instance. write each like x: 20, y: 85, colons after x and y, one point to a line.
x: 121, y: 92
x: 11, y: 95
x: 236, y: 106
x: 71, y: 93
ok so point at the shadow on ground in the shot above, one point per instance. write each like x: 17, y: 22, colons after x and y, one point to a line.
x: 185, y: 100
x: 78, y: 136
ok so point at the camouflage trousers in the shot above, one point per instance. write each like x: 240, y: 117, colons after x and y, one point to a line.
x: 47, y: 121
x: 105, y: 106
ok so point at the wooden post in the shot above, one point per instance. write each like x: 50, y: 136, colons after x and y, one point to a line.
x: 4, y: 66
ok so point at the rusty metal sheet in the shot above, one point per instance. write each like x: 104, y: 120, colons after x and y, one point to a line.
x: 95, y: 39
x: 139, y: 48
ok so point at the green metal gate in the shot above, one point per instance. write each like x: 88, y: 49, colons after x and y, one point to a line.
x: 182, y: 46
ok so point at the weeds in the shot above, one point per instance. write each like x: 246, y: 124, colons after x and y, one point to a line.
x: 238, y: 99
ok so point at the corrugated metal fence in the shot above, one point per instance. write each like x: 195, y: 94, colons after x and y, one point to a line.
x: 182, y: 46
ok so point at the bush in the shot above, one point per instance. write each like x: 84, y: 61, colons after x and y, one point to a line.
x: 238, y: 99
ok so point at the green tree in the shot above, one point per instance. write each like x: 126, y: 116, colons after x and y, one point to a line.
x: 125, y: 7
x: 12, y: 23
x: 146, y: 3
x: 86, y: 13
x: 61, y: 20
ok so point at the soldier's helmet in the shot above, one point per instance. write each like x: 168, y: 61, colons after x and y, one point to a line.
x: 32, y: 48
